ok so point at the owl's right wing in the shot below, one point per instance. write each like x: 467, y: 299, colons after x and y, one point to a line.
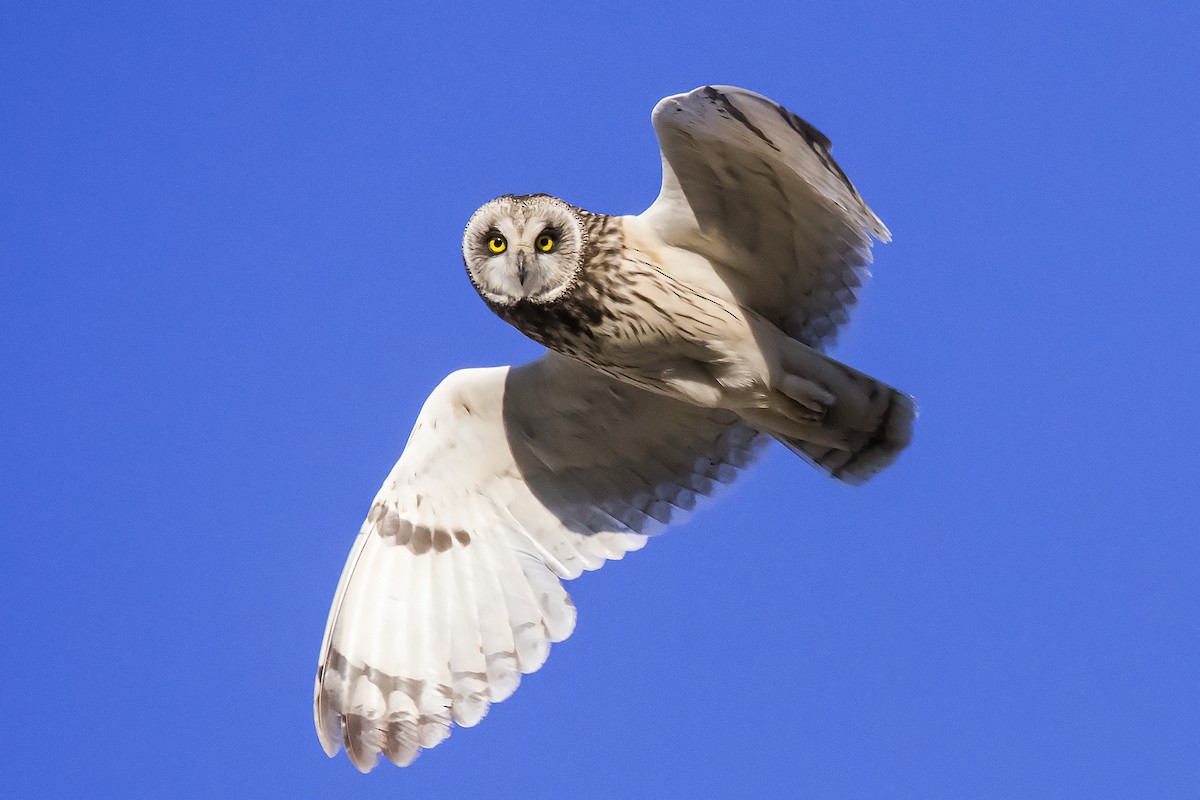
x: 513, y: 479
x: 753, y: 188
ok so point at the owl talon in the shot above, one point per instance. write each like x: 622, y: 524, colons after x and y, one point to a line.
x: 810, y: 396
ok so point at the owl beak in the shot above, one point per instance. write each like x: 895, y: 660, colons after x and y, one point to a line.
x: 522, y: 273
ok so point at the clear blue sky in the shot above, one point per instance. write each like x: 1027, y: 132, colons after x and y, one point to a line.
x: 229, y: 276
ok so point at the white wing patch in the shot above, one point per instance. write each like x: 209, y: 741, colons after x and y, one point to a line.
x: 512, y: 481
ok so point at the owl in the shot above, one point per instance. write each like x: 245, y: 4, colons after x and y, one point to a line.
x: 679, y: 343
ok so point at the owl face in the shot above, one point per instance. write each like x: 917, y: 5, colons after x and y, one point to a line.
x: 523, y: 248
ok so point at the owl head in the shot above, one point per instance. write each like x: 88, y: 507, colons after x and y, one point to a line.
x: 525, y: 247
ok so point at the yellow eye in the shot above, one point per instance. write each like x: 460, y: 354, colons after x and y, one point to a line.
x: 545, y: 243
x: 497, y: 244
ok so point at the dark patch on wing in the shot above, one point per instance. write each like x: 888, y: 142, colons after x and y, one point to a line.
x: 811, y: 135
x: 736, y: 113
x: 442, y: 541
x: 393, y: 527
x: 422, y: 540
x: 350, y: 672
x: 419, y: 539
x: 816, y: 140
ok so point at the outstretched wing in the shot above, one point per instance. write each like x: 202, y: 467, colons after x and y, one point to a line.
x: 512, y: 480
x: 752, y: 187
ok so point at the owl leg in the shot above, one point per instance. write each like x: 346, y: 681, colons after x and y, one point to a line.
x: 834, y: 416
x: 814, y: 400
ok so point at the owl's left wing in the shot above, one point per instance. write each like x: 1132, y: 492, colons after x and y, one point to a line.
x: 513, y: 479
x: 754, y: 189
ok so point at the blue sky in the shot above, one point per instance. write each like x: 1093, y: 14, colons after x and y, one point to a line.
x: 229, y: 276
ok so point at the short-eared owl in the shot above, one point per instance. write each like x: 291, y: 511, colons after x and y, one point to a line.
x: 680, y: 341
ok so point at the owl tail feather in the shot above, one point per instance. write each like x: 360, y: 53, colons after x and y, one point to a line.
x: 838, y: 419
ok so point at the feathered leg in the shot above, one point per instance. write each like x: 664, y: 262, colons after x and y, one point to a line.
x: 839, y: 419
